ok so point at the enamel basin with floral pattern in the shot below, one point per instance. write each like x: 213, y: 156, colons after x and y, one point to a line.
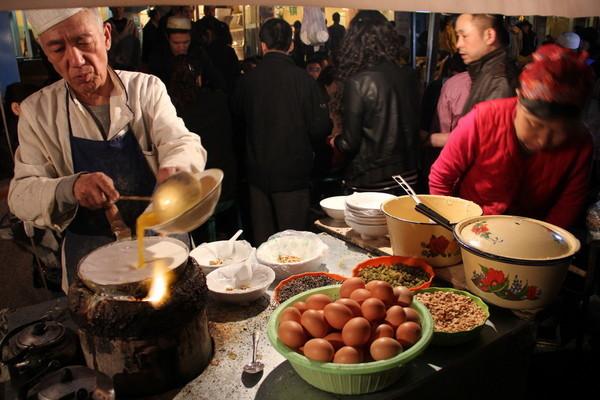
x: 514, y: 262
x: 412, y: 234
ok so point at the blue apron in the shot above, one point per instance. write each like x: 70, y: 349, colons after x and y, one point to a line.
x: 123, y: 161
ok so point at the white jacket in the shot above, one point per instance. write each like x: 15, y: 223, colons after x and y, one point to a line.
x: 43, y: 158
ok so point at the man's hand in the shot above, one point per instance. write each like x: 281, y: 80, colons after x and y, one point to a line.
x: 95, y: 190
x: 164, y: 173
x: 438, y: 139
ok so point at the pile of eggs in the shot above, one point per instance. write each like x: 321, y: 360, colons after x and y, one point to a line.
x: 370, y: 322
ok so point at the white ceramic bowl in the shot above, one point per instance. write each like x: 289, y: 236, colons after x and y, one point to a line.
x: 334, y: 207
x: 366, y: 220
x: 305, y: 245
x: 367, y: 201
x: 368, y: 231
x: 207, y: 252
x: 261, y: 279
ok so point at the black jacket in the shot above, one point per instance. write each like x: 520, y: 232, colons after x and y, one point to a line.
x: 283, y: 112
x: 493, y: 76
x: 381, y: 124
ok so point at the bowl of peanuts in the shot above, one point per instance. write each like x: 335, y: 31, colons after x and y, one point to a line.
x: 458, y: 316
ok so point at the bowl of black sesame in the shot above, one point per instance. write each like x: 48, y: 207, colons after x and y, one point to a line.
x: 296, y: 284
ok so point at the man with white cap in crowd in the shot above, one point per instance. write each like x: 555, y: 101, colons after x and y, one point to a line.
x: 569, y: 40
x: 91, y: 137
x: 180, y: 43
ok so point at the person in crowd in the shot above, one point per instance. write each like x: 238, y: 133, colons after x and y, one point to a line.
x: 336, y: 33
x: 515, y: 40
x: 529, y: 39
x: 205, y: 111
x: 179, y: 42
x: 569, y: 40
x: 380, y: 134
x: 91, y: 137
x: 222, y: 56
x: 209, y: 21
x: 124, y: 52
x: 313, y: 68
x: 528, y: 155
x: 450, y: 104
x: 447, y: 36
x: 15, y: 93
x: 284, y: 115
x: 300, y: 50
x: 249, y: 64
x: 482, y: 41
x: 151, y: 34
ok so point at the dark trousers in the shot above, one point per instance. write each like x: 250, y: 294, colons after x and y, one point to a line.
x: 275, y: 212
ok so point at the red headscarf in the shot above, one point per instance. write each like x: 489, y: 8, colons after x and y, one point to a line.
x: 557, y: 75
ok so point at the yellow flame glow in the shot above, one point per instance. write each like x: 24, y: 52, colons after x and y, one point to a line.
x: 159, y: 288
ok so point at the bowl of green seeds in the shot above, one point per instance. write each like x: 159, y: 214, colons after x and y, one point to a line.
x: 413, y: 273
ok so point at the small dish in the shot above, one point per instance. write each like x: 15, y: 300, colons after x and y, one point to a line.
x: 334, y: 207
x: 388, y: 261
x: 262, y: 277
x: 208, y: 255
x: 288, y: 280
x: 441, y: 338
x: 306, y: 247
x: 367, y: 231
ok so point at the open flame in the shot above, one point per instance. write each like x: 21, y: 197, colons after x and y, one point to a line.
x: 159, y: 288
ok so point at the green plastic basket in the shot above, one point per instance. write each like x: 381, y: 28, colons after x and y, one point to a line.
x: 456, y: 338
x: 349, y: 378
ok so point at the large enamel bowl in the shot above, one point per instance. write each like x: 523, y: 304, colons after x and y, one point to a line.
x: 514, y: 262
x: 412, y: 234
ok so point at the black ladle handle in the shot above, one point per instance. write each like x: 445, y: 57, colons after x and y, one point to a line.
x: 425, y: 210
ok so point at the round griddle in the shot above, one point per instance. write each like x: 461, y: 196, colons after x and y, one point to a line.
x: 115, y: 264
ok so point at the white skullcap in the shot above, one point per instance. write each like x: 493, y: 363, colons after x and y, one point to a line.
x: 42, y: 20
x: 569, y: 40
x: 179, y: 23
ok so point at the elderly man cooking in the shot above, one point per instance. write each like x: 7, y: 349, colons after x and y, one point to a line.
x: 91, y: 137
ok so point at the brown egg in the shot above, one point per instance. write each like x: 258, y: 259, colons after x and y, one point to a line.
x: 383, y: 330
x: 370, y: 285
x: 301, y: 306
x: 360, y: 295
x: 373, y: 309
x: 408, y: 333
x: 352, y: 305
x: 291, y: 334
x: 384, y: 292
x: 319, y: 350
x: 356, y: 332
x: 337, y: 315
x: 290, y: 314
x: 314, y: 322
x: 384, y: 348
x: 395, y: 315
x: 412, y: 315
x: 350, y: 285
x: 317, y: 301
x: 404, y: 296
x: 335, y: 338
x: 347, y: 355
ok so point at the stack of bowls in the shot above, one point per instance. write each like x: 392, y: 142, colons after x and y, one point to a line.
x: 363, y: 214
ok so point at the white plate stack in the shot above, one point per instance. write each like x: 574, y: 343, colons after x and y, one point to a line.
x: 363, y: 214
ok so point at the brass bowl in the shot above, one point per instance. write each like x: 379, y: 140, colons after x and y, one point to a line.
x: 184, y: 201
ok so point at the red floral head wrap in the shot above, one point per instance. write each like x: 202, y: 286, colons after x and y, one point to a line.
x: 557, y: 75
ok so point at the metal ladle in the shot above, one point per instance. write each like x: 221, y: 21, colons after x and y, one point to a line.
x: 254, y: 366
x: 422, y: 207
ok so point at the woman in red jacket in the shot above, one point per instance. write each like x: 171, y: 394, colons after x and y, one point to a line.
x: 529, y: 155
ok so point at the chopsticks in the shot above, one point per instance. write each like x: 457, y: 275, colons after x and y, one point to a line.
x: 422, y: 207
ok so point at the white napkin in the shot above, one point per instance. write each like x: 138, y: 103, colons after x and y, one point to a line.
x: 238, y: 276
